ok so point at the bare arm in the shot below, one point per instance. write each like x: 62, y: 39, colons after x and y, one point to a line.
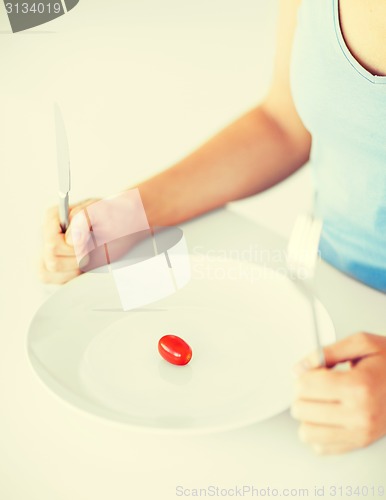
x: 256, y: 152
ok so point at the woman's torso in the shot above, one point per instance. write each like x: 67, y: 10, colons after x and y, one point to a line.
x: 343, y: 105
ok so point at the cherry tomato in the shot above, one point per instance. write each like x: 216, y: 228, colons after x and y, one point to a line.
x: 174, y: 350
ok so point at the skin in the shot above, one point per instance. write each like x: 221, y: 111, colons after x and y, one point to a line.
x: 363, y: 28
x: 343, y: 410
x: 338, y: 411
x: 58, y: 263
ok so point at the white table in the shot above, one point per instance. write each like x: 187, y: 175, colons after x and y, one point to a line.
x: 50, y: 450
x: 166, y: 74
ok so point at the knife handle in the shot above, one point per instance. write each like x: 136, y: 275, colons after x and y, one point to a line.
x: 63, y: 211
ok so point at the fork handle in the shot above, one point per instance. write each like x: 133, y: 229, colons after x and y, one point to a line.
x: 319, y: 347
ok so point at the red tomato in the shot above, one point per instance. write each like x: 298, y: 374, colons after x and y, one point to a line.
x: 174, y: 350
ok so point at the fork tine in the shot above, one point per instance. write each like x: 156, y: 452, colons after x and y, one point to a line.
x: 312, y: 244
x: 302, y: 254
x: 295, y: 241
x: 299, y: 242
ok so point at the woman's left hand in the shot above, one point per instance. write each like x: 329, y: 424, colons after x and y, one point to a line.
x: 343, y: 410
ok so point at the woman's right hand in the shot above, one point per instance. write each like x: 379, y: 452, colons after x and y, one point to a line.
x: 104, y: 233
x: 58, y: 262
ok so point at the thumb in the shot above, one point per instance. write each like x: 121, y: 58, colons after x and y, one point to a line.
x: 74, y: 236
x: 77, y: 233
x: 352, y: 348
x: 80, y: 241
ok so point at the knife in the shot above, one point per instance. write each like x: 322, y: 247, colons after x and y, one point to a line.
x: 63, y: 160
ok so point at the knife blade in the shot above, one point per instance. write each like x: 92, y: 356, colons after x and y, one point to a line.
x: 63, y: 162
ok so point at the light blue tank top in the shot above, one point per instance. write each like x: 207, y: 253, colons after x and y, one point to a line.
x: 344, y: 108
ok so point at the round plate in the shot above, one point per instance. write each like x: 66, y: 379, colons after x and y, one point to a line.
x: 247, y: 325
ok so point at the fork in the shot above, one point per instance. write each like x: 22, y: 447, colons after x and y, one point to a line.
x: 301, y: 260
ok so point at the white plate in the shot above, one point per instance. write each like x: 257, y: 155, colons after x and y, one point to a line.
x: 246, y: 324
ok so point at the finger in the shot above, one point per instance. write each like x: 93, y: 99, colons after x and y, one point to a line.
x: 321, y: 384
x: 52, y: 222
x: 325, y: 435
x: 369, y: 370
x: 78, y: 233
x: 52, y: 214
x: 331, y: 439
x: 334, y: 449
x: 56, y: 278
x: 79, y: 227
x: 351, y: 348
x: 61, y: 264
x: 54, y: 241
x: 75, y: 237
x: 55, y: 246
x: 323, y: 413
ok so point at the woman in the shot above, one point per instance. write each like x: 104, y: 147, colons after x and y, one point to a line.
x: 327, y: 103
